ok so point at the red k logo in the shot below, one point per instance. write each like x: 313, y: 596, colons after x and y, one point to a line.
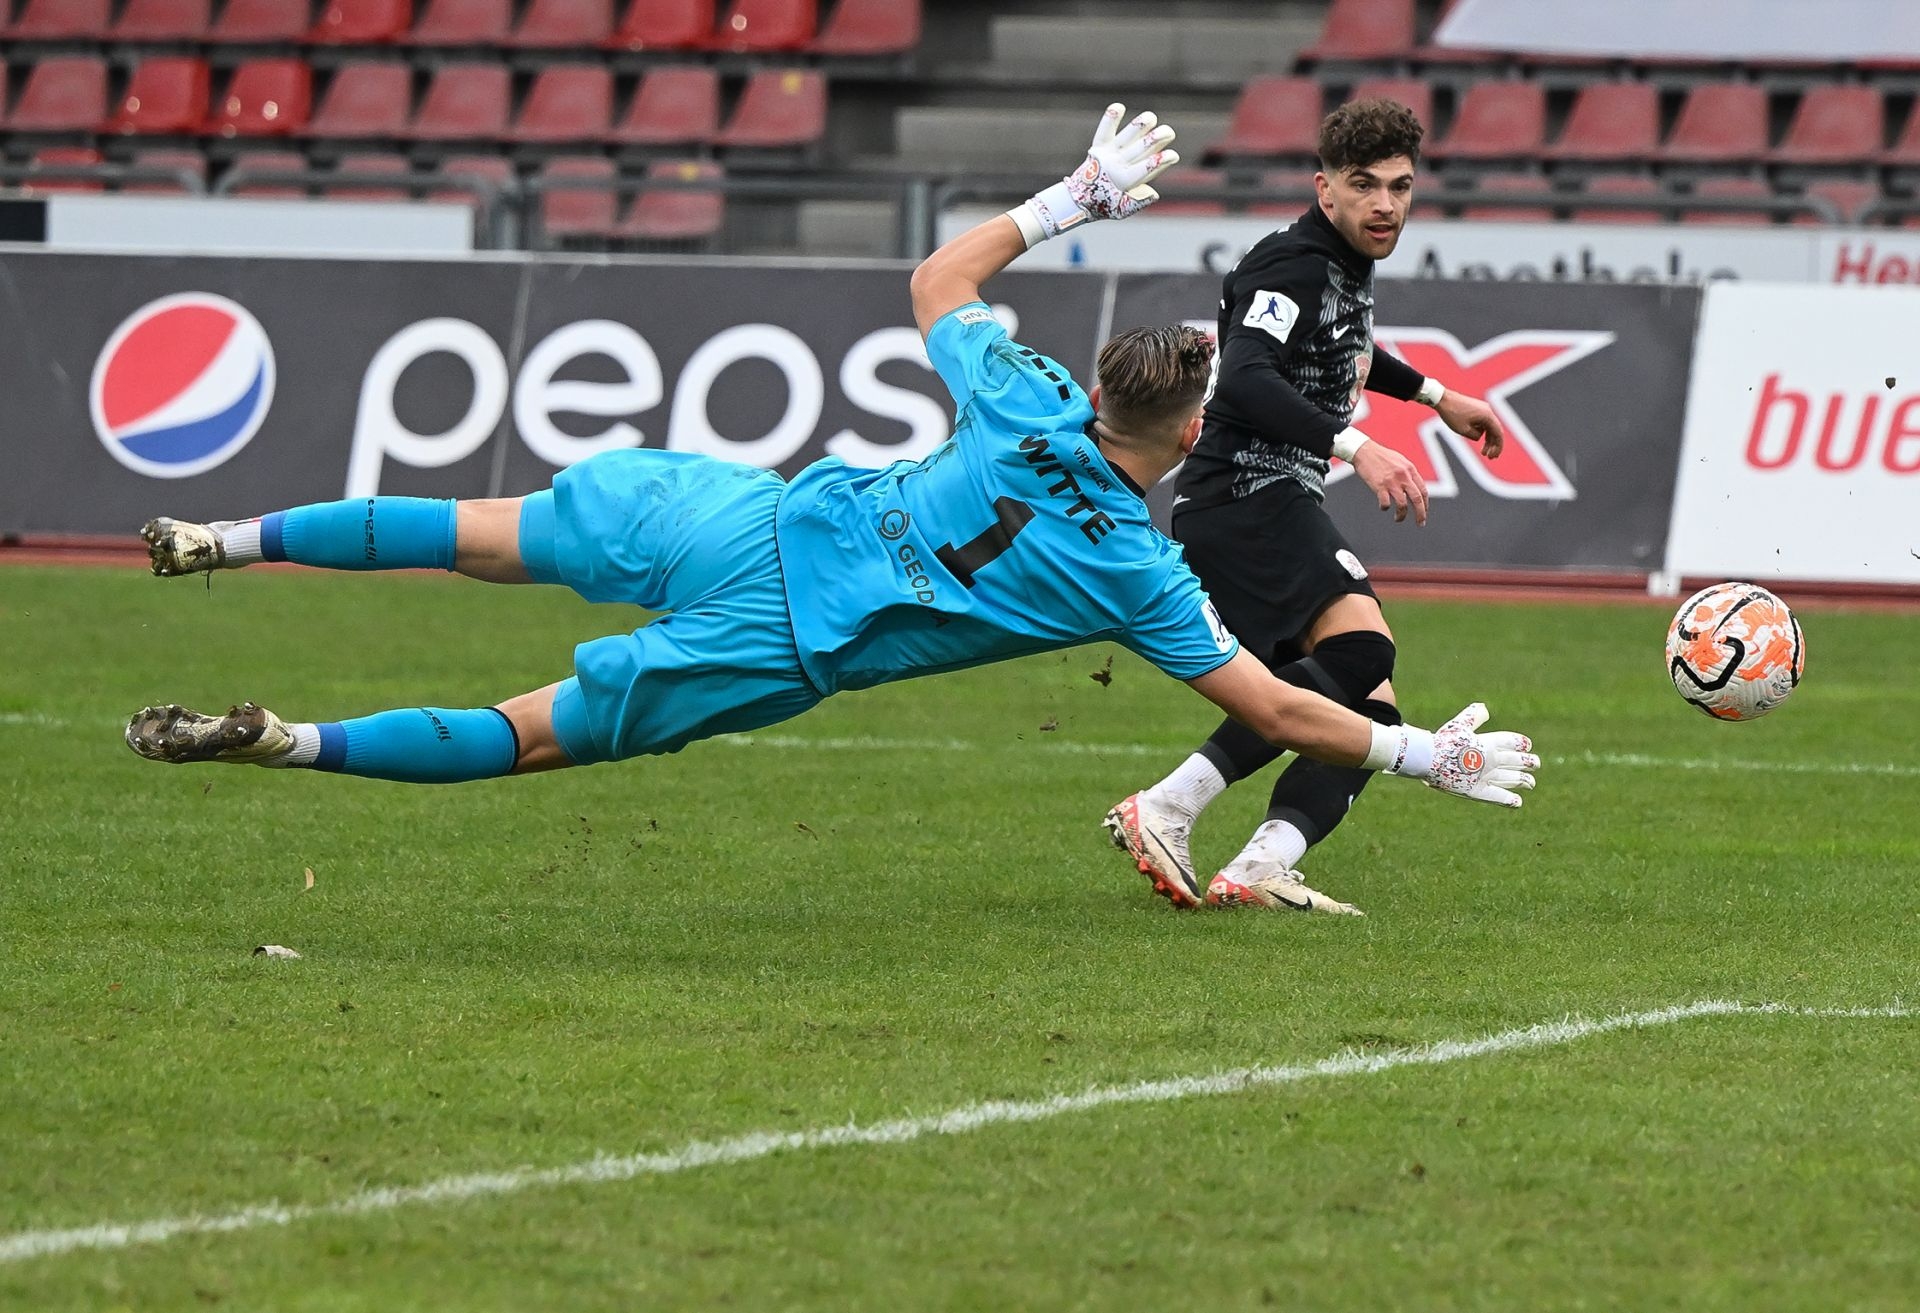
x: 1493, y: 371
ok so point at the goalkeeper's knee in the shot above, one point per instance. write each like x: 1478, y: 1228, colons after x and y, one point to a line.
x: 1356, y: 663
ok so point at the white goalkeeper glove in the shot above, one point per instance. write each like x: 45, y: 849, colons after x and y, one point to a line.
x: 1111, y: 183
x: 1456, y: 759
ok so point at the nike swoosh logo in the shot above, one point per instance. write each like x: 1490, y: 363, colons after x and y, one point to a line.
x: 1178, y: 500
x: 1341, y: 332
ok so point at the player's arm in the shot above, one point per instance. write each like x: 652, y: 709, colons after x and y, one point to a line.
x: 1272, y: 311
x: 1454, y: 758
x: 1470, y: 417
x: 1113, y: 182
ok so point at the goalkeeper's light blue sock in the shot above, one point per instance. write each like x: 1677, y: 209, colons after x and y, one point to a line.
x: 416, y: 745
x: 370, y: 533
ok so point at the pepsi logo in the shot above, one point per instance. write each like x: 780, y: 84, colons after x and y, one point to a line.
x: 182, y: 385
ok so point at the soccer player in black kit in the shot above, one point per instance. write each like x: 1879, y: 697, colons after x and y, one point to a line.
x: 1296, y: 348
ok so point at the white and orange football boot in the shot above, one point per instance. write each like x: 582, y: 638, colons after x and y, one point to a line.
x: 1155, y: 837
x: 1248, y: 882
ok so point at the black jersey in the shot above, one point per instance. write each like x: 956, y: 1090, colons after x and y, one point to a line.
x: 1296, y: 347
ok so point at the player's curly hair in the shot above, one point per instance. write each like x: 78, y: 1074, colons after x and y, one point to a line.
x: 1367, y: 131
x: 1152, y: 377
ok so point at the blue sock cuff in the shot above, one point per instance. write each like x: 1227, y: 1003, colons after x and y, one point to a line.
x: 370, y: 533
x: 425, y: 745
x: 333, y: 747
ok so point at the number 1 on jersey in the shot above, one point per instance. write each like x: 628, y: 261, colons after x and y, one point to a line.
x: 961, y: 562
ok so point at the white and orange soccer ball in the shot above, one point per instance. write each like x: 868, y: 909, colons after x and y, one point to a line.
x: 1735, y: 651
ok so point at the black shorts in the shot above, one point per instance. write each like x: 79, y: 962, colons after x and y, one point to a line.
x: 1272, y: 562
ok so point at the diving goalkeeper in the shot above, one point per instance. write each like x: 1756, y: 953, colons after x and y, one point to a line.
x: 1025, y: 531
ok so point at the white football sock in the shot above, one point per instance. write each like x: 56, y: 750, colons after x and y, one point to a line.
x: 306, y: 747
x: 240, y: 539
x: 1191, y: 787
x: 1276, y: 841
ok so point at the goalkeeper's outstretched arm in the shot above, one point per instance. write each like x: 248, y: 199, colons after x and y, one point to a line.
x: 1111, y: 183
x: 1455, y: 758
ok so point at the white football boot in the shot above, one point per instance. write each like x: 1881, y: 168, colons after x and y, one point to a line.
x: 176, y: 547
x: 1156, y: 838
x: 1250, y: 882
x: 247, y: 733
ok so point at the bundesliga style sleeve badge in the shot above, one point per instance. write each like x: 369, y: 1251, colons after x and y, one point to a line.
x: 1272, y: 312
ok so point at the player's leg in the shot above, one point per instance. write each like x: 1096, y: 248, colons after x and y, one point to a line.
x: 363, y: 533
x: 416, y: 745
x: 1269, y: 562
x: 1351, y: 641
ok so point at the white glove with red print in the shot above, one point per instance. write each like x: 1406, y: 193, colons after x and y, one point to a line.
x: 1112, y: 182
x: 1484, y: 767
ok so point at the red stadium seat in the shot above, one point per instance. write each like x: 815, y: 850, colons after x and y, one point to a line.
x: 64, y: 157
x: 362, y: 22
x: 675, y: 214
x: 1272, y: 116
x: 482, y: 176
x: 61, y: 20
x: 1730, y: 189
x: 266, y: 162
x: 464, y: 23
x: 262, y: 22
x: 569, y: 102
x: 588, y: 211
x: 870, y: 27
x: 1621, y: 185
x: 65, y: 94
x: 1834, y: 125
x: 365, y: 100
x: 1848, y: 196
x: 1411, y: 92
x: 465, y: 102
x: 1361, y: 30
x: 1513, y: 184
x: 1496, y: 121
x: 189, y: 162
x: 267, y: 98
x: 369, y: 164
x: 557, y: 23
x: 163, y: 20
x: 674, y: 106
x: 1614, y: 122
x: 664, y: 25
x: 167, y: 94
x: 1721, y: 122
x: 767, y: 25
x: 781, y: 107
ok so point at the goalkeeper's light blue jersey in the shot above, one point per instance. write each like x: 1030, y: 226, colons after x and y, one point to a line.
x: 1015, y: 536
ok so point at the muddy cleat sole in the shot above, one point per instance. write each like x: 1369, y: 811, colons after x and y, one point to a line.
x: 176, y: 547
x: 1286, y: 892
x: 1152, y: 853
x: 247, y: 733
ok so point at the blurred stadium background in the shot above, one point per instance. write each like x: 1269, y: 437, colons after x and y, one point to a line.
x: 840, y: 126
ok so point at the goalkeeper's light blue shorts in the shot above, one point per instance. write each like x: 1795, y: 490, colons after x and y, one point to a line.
x: 691, y: 536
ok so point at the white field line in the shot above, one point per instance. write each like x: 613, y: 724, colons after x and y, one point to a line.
x: 22, y: 1245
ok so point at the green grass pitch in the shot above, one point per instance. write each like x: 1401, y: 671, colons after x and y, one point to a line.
x: 900, y: 905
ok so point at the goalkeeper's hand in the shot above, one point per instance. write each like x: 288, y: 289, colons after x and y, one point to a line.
x: 1113, y: 182
x: 1484, y: 767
